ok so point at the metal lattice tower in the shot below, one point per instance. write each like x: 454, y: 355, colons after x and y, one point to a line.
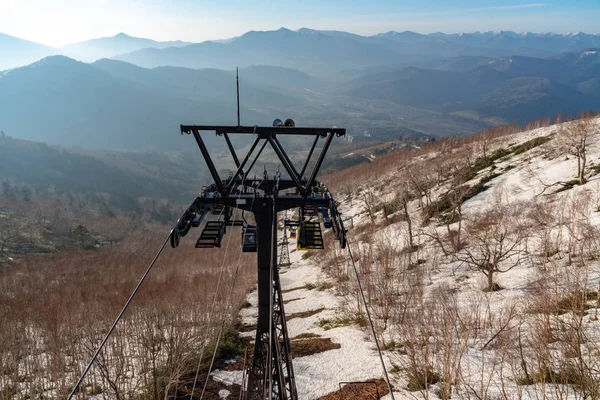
x: 284, y: 253
x: 271, y: 375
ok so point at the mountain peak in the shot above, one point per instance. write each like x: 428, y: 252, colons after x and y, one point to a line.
x: 403, y: 34
x: 307, y: 31
x: 56, y: 60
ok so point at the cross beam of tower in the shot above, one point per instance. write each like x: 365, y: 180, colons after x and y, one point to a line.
x: 271, y: 375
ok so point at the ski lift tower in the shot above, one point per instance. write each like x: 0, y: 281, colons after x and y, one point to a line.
x: 271, y: 375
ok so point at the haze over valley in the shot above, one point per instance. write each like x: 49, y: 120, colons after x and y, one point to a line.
x: 132, y: 93
x: 408, y: 207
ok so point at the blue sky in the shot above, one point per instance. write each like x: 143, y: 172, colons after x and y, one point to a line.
x: 57, y: 22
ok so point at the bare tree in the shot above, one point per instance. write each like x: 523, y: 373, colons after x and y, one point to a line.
x: 404, y: 196
x: 455, y: 196
x: 367, y: 196
x: 485, y: 139
x: 496, y: 240
x: 421, y: 180
x: 576, y: 137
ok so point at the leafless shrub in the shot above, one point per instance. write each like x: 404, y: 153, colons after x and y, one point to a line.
x: 575, y: 139
x: 496, y: 241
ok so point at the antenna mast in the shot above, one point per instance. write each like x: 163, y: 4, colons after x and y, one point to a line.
x: 237, y: 82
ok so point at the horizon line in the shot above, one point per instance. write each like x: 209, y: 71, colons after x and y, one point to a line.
x: 310, y: 29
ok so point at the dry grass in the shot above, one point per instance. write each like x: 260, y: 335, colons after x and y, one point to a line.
x: 307, y: 347
x: 292, y: 300
x: 372, y: 389
x: 305, y: 314
x: 307, y: 335
x: 373, y: 170
x: 59, y: 305
x: 293, y: 289
x: 247, y: 328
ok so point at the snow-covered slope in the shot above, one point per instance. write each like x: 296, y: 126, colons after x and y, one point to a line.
x: 530, y: 332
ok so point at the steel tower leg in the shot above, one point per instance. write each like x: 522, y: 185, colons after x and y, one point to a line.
x: 276, y: 348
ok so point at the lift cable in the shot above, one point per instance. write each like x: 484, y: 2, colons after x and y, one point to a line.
x: 212, y: 310
x: 364, y: 299
x: 223, y: 318
x: 114, y: 325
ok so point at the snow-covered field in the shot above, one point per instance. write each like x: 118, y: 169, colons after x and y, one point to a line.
x: 480, y: 345
x: 317, y: 374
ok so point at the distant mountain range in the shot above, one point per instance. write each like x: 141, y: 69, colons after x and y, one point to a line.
x: 313, y: 51
x: 15, y: 52
x: 92, y: 50
x: 515, y: 89
x: 114, y: 105
x: 324, y: 52
x: 455, y: 84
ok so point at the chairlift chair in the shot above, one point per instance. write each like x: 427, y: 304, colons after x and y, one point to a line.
x: 249, y: 244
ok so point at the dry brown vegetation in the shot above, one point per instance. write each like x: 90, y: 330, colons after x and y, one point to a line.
x: 302, y: 347
x: 371, y: 389
x: 480, y: 142
x: 304, y: 314
x: 56, y: 308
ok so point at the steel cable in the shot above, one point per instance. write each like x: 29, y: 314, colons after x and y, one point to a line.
x: 114, y: 325
x: 212, y: 309
x: 364, y: 299
x: 222, y: 324
x: 226, y: 308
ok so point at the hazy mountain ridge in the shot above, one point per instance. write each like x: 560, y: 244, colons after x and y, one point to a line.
x: 312, y: 53
x: 114, y: 105
x: 112, y: 179
x: 94, y: 49
x: 119, y: 105
x: 62, y: 101
x: 284, y: 47
x: 15, y: 51
x: 322, y: 52
x: 515, y: 88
